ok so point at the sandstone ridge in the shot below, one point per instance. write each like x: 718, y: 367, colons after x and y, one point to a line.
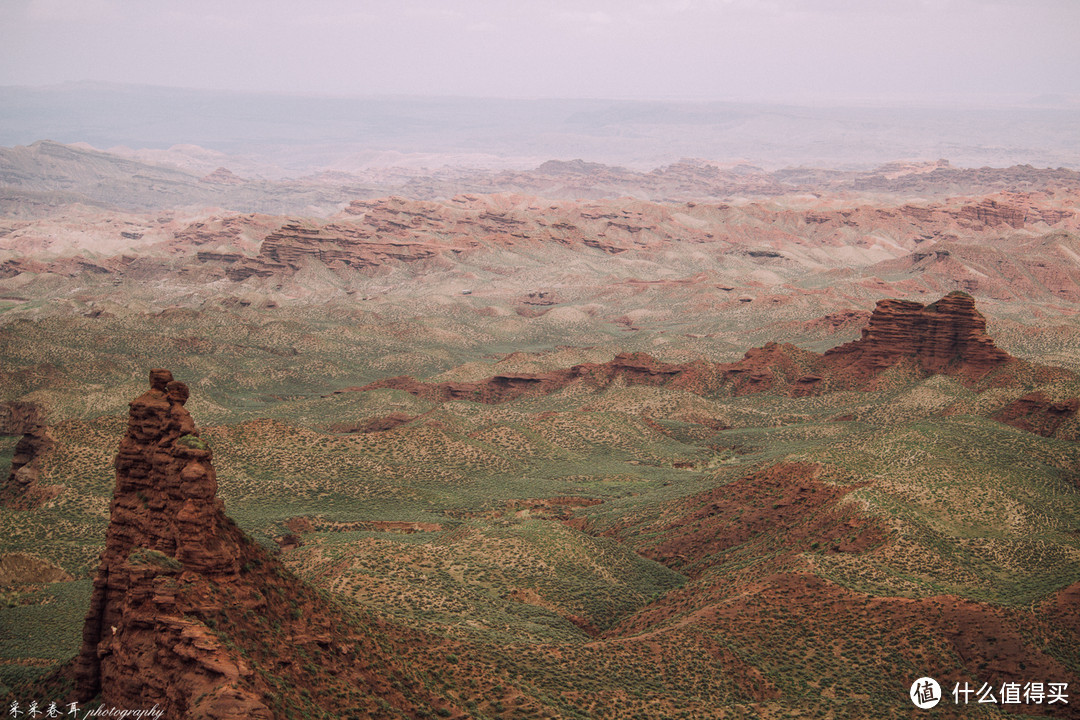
x: 947, y: 337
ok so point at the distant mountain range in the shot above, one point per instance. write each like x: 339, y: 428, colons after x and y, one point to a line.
x: 305, y: 133
x: 48, y: 174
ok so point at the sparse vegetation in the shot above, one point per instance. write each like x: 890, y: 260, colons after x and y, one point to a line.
x: 576, y: 554
x: 193, y: 442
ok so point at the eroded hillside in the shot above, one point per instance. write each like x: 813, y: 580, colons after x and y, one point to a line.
x: 506, y: 456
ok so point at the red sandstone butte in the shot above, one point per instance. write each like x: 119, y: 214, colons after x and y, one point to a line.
x: 948, y: 337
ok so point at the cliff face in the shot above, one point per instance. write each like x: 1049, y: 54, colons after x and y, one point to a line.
x: 190, y: 615
x: 19, y: 418
x: 167, y: 527
x: 948, y: 336
x: 21, y: 489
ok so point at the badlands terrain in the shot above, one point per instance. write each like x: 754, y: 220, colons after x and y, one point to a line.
x: 570, y: 441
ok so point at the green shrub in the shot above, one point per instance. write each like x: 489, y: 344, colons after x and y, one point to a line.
x: 145, y: 556
x: 193, y: 442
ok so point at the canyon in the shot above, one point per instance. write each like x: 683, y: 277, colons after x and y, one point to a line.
x: 571, y: 441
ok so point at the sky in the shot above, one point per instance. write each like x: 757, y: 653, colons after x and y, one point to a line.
x: 875, y: 50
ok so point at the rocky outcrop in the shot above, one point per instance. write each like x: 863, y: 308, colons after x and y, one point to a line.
x: 21, y: 489
x: 992, y: 213
x: 780, y: 369
x: 948, y: 336
x: 190, y: 615
x: 633, y: 368
x: 166, y: 521
x: 336, y: 246
x: 19, y: 418
x: 1037, y: 413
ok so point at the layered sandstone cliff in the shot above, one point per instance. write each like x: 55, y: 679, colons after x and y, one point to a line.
x: 947, y: 337
x: 337, y: 246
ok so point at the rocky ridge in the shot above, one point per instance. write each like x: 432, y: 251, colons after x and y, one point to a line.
x: 946, y: 337
x: 634, y: 368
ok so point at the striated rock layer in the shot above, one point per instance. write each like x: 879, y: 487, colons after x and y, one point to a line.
x: 947, y: 337
x: 189, y: 615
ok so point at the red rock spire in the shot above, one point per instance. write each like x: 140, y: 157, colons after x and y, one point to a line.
x: 190, y: 616
x: 165, y: 502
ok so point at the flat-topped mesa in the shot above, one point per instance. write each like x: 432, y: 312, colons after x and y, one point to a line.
x: 165, y: 502
x: 948, y: 336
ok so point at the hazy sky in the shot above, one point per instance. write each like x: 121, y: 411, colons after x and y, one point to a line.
x: 664, y: 49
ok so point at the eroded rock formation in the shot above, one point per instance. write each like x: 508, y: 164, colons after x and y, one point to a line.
x: 1037, y: 413
x: 337, y: 246
x: 19, y: 418
x: 21, y: 489
x: 166, y: 523
x: 190, y: 615
x: 634, y: 368
x: 948, y: 337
